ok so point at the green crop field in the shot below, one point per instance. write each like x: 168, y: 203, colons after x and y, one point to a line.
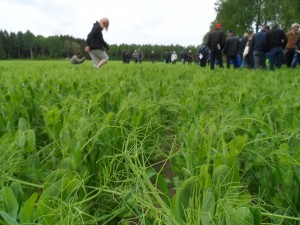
x: 148, y: 144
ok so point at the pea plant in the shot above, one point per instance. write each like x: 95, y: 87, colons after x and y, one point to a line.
x: 148, y: 144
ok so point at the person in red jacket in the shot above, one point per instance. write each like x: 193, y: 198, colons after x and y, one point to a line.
x: 96, y: 46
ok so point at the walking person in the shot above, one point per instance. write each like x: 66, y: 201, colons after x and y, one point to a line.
x: 260, y: 48
x: 174, y: 57
x: 216, y: 42
x: 242, y: 46
x: 125, y: 56
x: 293, y: 37
x: 203, y: 55
x: 190, y: 57
x: 231, y: 49
x: 296, y: 58
x: 135, y: 56
x: 96, y: 46
x: 276, y: 41
x: 152, y: 57
x: 140, y: 56
x: 183, y: 57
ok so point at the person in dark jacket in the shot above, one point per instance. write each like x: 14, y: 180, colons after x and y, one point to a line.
x: 215, y: 43
x: 96, y: 46
x: 203, y: 55
x: 183, y: 57
x: 231, y: 49
x: 242, y: 46
x: 260, y: 49
x: 152, y: 57
x: 276, y: 41
x: 125, y: 56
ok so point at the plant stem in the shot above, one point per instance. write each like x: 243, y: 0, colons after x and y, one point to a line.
x: 26, y: 183
x: 280, y: 216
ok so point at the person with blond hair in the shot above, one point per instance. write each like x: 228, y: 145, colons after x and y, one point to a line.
x: 292, y: 37
x: 96, y: 46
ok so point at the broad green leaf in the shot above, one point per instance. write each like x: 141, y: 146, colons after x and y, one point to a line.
x: 59, y: 187
x: 46, y: 210
x: 183, y: 196
x: 30, y: 140
x: 8, y: 219
x: 69, y: 187
x: 256, y: 212
x: 22, y: 124
x: 208, y: 208
x: 11, y: 205
x: 18, y: 191
x: 205, y: 178
x: 221, y: 175
x: 163, y: 187
x: 77, y: 154
x: 22, y: 140
x: 222, y: 179
x: 237, y: 144
x: 68, y: 163
x: 241, y: 216
x: 27, y: 213
x: 53, y: 116
x: 246, y: 216
x: 65, y: 139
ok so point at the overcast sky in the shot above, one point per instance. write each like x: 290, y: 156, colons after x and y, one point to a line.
x: 182, y: 22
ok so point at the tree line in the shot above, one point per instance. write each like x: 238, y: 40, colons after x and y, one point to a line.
x: 252, y: 15
x: 29, y: 46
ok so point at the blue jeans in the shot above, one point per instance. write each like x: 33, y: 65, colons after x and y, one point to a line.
x: 296, y: 60
x: 276, y: 57
x: 259, y: 59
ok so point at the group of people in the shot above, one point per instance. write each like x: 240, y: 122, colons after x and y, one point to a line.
x: 172, y: 57
x: 270, y: 45
x: 98, y: 48
x: 137, y: 56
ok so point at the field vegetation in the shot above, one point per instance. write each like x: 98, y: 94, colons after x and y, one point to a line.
x: 148, y: 144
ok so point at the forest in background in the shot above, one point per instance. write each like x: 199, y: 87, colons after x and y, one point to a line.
x: 28, y: 46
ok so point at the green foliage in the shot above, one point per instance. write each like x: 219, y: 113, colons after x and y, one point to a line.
x: 28, y: 46
x: 184, y: 196
x: 250, y: 16
x: 149, y: 144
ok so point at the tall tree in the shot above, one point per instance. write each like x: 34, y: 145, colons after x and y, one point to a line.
x: 2, y: 48
x: 67, y: 47
x: 41, y: 46
x: 19, y: 43
x: 232, y: 14
x: 55, y: 46
x: 245, y: 15
x: 29, y: 42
